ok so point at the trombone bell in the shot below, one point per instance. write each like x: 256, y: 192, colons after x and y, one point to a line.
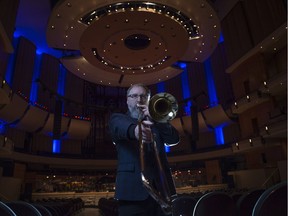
x: 163, y: 107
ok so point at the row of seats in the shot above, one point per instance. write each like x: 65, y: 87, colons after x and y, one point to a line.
x: 108, y: 206
x: 258, y: 202
x: 47, y: 207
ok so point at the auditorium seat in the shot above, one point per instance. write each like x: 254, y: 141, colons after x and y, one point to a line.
x: 246, y: 202
x: 215, y: 203
x: 59, y: 207
x: 6, y: 210
x: 236, y: 196
x: 108, y: 207
x: 272, y: 202
x: 21, y: 208
x: 55, y: 210
x: 183, y: 205
x: 43, y: 210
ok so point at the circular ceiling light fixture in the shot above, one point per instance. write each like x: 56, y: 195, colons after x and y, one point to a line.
x: 137, y: 41
x: 132, y: 41
x: 158, y: 8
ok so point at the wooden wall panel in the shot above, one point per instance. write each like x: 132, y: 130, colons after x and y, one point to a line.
x: 78, y: 129
x: 42, y: 143
x: 114, y: 98
x: 3, y: 62
x: 237, y: 38
x: 213, y: 172
x: 263, y: 17
x: 14, y: 110
x: 17, y: 136
x: 280, y: 59
x: 215, y: 116
x: 8, y: 15
x: 248, y: 23
x: 19, y: 170
x: 267, y: 157
x: 253, y: 71
x: 174, y: 87
x: 260, y: 112
x: 49, y: 79
x: 206, y: 140
x: 74, y: 87
x: 198, y: 84
x: 24, y: 67
x: 71, y: 147
x: 33, y: 119
x: 183, y: 147
x: 221, y: 79
x: 49, y: 71
x: 231, y: 133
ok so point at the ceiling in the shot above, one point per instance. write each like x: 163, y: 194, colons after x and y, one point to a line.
x: 120, y: 43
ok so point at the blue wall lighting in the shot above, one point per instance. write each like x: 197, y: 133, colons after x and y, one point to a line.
x: 160, y: 87
x: 213, y: 99
x: 167, y: 148
x: 219, y: 135
x: 2, y: 127
x: 221, y: 38
x: 56, y: 146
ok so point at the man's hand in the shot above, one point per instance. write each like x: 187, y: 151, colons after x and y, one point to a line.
x: 144, y: 109
x: 147, y: 136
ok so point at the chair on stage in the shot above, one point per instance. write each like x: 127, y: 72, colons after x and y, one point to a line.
x: 215, y: 203
x: 247, y: 201
x: 272, y: 202
x: 23, y: 208
x: 6, y: 210
x: 183, y: 205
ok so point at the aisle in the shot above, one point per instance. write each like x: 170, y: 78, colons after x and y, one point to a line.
x: 89, y: 212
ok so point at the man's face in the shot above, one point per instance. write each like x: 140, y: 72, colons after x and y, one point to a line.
x: 137, y: 95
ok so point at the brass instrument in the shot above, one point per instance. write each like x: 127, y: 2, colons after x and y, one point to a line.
x: 163, y: 107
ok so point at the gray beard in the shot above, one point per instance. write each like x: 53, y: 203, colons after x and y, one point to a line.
x: 134, y: 112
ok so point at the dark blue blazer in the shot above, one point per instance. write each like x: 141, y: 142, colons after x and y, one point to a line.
x: 129, y: 185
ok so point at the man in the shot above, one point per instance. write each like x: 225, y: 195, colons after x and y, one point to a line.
x: 134, y: 198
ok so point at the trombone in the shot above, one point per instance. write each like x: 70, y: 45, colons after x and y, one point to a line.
x: 163, y: 107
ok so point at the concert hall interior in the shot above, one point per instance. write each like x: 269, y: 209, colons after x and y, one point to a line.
x: 66, y: 65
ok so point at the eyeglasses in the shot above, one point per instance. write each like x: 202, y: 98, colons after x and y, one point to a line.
x: 135, y: 96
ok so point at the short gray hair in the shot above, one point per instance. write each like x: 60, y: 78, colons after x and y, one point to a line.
x: 148, y: 92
